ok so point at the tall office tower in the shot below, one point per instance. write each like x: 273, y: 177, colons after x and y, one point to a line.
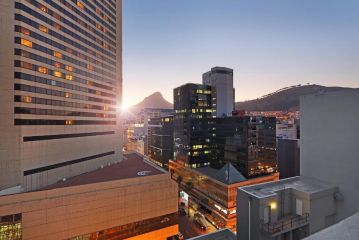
x: 61, y: 79
x: 222, y: 79
x: 250, y: 144
x: 192, y: 104
x: 160, y: 140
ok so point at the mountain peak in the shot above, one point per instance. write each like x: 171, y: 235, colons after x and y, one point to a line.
x: 155, y: 100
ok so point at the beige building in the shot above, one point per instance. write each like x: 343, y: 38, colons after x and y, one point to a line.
x: 132, y: 199
x: 61, y: 79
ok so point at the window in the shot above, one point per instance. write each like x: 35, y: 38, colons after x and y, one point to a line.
x: 80, y: 5
x: 26, y: 42
x: 10, y: 227
x: 43, y: 29
x: 26, y: 65
x: 69, y: 77
x: 57, y: 64
x: 57, y: 74
x: 69, y: 68
x: 26, y: 99
x: 89, y: 66
x: 25, y: 31
x: 42, y: 70
x: 69, y: 122
x: 57, y: 54
x: 43, y: 8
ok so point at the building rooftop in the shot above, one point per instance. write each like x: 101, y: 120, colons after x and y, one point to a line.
x: 228, y: 174
x: 303, y: 184
x: 347, y: 229
x: 224, y: 234
x: 133, y: 166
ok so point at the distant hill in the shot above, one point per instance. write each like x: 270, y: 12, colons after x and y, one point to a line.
x: 285, y: 99
x: 155, y: 100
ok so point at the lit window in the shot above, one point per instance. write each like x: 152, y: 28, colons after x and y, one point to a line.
x: 25, y: 31
x: 67, y: 95
x: 57, y: 54
x: 69, y: 122
x: 69, y: 68
x: 69, y: 77
x: 80, y: 5
x: 105, y: 108
x: 57, y: 74
x: 26, y: 99
x: 43, y: 29
x: 57, y: 64
x: 42, y: 70
x: 43, y: 8
x: 89, y: 66
x: 26, y: 42
x: 98, y: 26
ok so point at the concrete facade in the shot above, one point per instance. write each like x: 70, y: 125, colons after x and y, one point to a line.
x: 292, y: 208
x: 329, y: 144
x: 221, y: 79
x: 49, y: 71
x: 81, y: 206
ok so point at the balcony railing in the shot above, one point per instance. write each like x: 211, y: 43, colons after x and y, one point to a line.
x: 285, y: 224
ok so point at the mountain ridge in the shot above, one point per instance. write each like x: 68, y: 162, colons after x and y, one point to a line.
x: 285, y: 99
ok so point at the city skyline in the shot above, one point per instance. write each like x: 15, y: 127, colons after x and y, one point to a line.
x: 275, y: 44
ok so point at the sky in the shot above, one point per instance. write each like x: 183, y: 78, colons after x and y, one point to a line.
x: 270, y: 44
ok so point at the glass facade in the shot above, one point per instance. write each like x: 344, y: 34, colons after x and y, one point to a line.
x: 132, y: 229
x: 192, y: 105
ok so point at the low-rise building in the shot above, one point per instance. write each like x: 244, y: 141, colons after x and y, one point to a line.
x: 133, y: 199
x: 292, y: 208
x: 212, y: 192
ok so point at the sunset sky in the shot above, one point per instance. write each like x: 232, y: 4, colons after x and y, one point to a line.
x: 269, y: 44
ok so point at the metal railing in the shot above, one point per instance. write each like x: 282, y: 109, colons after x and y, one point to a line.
x: 285, y: 224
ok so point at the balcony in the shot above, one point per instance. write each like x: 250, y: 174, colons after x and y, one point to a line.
x: 285, y: 224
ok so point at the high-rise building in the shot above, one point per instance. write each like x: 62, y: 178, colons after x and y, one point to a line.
x: 161, y: 142
x: 221, y: 79
x: 62, y: 172
x: 61, y: 70
x: 192, y: 107
x: 249, y: 143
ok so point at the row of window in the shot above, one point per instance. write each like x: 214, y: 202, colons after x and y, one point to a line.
x: 51, y: 52
x: 52, y: 102
x: 61, y: 37
x: 51, y: 82
x: 67, y: 163
x: 98, y: 11
x: 27, y: 88
x: 54, y: 112
x: 74, y: 17
x: 108, y: 23
x: 134, y: 229
x: 57, y: 64
x: 64, y: 136
x: 71, y: 25
x: 101, y: 8
x: 22, y: 122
